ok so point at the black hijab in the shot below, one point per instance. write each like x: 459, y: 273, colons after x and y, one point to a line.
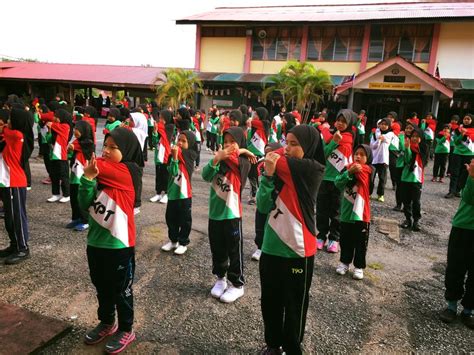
x: 191, y: 153
x: 115, y: 113
x: 238, y: 135
x: 368, y: 153
x: 349, y: 117
x: 132, y: 154
x: 388, y: 121
x: 86, y: 140
x: 307, y: 173
x: 65, y: 117
x: 21, y: 120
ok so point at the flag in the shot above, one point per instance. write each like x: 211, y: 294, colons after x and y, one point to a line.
x: 348, y: 79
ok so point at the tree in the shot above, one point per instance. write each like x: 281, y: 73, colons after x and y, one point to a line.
x: 177, y: 86
x: 301, y: 83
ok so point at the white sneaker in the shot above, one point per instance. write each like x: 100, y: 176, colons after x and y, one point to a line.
x: 64, y: 199
x: 169, y: 246
x: 136, y: 210
x: 155, y: 198
x: 164, y: 199
x: 256, y: 255
x: 28, y: 188
x: 358, y: 274
x: 54, y: 198
x: 219, y: 288
x: 180, y: 250
x: 342, y: 269
x: 232, y: 294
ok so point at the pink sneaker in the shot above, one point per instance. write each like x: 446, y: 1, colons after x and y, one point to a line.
x: 320, y: 244
x: 333, y: 246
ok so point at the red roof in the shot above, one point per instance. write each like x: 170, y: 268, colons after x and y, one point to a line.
x: 336, y: 12
x: 102, y: 75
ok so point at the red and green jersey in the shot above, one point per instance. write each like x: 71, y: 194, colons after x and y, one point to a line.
x: 464, y: 144
x: 464, y: 217
x: 77, y: 169
x: 286, y: 233
x: 429, y: 127
x: 59, y: 151
x: 443, y: 144
x: 355, y: 206
x: 257, y: 138
x: 111, y: 219
x: 11, y: 172
x: 162, y: 144
x: 224, y: 199
x: 401, y: 156
x: 338, y: 156
x: 179, y: 182
x: 417, y: 175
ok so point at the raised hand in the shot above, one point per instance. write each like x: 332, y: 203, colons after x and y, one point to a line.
x: 91, y: 170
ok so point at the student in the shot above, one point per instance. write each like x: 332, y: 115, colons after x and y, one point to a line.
x: 13, y: 181
x: 178, y: 210
x: 443, y: 144
x: 107, y: 190
x: 338, y: 154
x: 361, y: 122
x: 197, y: 128
x: 453, y: 126
x: 462, y: 154
x: 400, y: 164
x: 415, y: 156
x: 235, y: 117
x: 59, y: 140
x: 394, y: 148
x: 227, y: 172
x: 81, y: 149
x: 380, y: 145
x: 114, y: 120
x: 288, y: 122
x: 288, y: 195
x: 261, y: 218
x: 414, y: 119
x: 90, y: 115
x: 44, y: 146
x: 139, y: 127
x: 459, y: 280
x: 257, y: 139
x: 355, y: 211
x: 428, y: 125
x: 213, y: 122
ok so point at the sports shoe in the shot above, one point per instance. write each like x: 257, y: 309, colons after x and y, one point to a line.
x: 28, y: 188
x: 333, y: 247
x: 447, y: 315
x: 119, y: 341
x: 136, y: 211
x: 433, y: 179
x: 320, y: 244
x: 219, y: 287
x: 73, y: 223
x: 232, y: 294
x: 164, y: 199
x: 342, y: 269
x: 416, y: 227
x: 467, y: 319
x: 169, y: 246
x: 252, y: 201
x: 64, y: 199
x: 81, y: 227
x: 449, y: 195
x: 381, y: 199
x: 358, y: 274
x: 155, y: 198
x: 271, y: 351
x: 181, y: 249
x: 397, y: 208
x: 406, y: 224
x: 457, y: 194
x: 46, y: 181
x: 6, y: 252
x: 17, y: 257
x: 99, y: 333
x: 256, y: 255
x: 54, y: 198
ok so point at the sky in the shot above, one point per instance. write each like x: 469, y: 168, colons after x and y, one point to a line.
x: 119, y: 32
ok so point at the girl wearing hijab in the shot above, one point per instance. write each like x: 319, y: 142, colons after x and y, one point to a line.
x: 59, y: 138
x: 139, y: 127
x: 162, y: 137
x: 400, y: 163
x: 227, y: 173
x: 178, y: 210
x: 81, y: 148
x: 355, y: 183
x: 107, y: 191
x: 338, y: 153
x: 13, y: 185
x: 44, y: 147
x: 380, y: 143
x: 415, y: 156
x: 114, y: 120
x: 288, y: 194
x: 463, y: 153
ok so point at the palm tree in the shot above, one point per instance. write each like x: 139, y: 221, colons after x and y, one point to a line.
x: 177, y: 86
x: 301, y: 83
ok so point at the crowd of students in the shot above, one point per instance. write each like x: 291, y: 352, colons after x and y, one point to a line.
x: 311, y: 183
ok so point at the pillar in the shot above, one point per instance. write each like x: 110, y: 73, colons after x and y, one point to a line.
x: 435, y: 103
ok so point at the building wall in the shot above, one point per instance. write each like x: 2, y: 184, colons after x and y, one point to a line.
x: 223, y: 54
x: 423, y: 66
x: 456, y: 50
x: 334, y: 68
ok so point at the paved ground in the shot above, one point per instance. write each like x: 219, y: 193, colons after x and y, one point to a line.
x: 393, y: 309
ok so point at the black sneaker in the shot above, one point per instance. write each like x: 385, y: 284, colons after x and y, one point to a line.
x: 397, y: 208
x: 99, y: 333
x: 7, y: 251
x: 448, y: 315
x: 17, y: 257
x: 467, y: 319
x: 457, y: 194
x: 119, y: 341
x: 270, y: 351
x: 406, y: 224
x: 416, y: 227
x: 449, y: 195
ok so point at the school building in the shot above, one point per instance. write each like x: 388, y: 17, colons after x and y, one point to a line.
x: 403, y: 56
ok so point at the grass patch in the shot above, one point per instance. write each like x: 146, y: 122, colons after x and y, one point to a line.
x: 376, y: 266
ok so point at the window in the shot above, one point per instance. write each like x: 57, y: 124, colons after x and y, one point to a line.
x: 413, y: 42
x: 222, y: 31
x: 278, y: 43
x: 335, y: 43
